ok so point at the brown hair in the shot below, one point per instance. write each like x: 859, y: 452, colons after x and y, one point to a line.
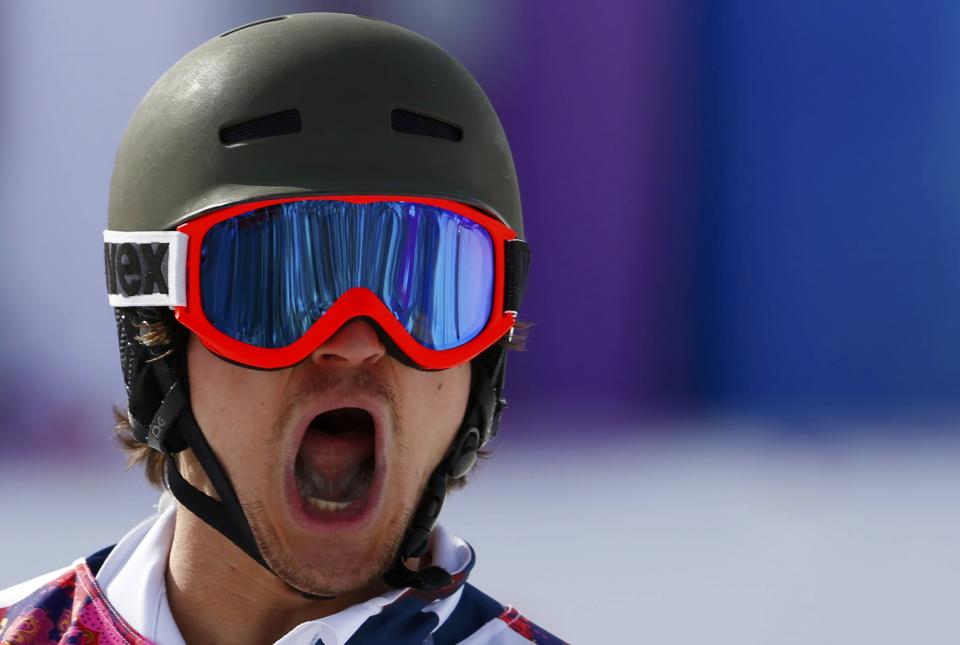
x: 161, y: 330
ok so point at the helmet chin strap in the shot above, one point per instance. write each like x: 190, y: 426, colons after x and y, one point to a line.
x: 161, y: 387
x: 173, y: 429
x: 480, y: 424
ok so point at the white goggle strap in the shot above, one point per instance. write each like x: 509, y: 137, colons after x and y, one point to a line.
x: 146, y: 268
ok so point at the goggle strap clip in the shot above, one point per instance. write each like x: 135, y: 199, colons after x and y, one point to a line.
x: 517, y: 266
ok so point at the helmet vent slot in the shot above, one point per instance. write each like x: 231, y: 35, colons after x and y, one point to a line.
x: 413, y: 123
x: 272, y: 125
x: 253, y: 24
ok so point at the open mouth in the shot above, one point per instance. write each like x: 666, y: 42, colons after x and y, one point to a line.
x: 336, y: 463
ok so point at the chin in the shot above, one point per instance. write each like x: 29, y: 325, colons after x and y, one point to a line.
x: 334, y: 562
x: 331, y: 556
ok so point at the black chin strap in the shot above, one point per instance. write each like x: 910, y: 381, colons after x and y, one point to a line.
x: 172, y: 429
x: 480, y: 424
x: 225, y: 515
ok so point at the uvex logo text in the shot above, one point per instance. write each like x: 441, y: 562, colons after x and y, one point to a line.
x: 135, y: 269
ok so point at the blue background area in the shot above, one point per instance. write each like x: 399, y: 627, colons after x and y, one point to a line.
x: 828, y: 231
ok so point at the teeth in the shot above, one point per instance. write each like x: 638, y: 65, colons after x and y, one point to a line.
x: 327, y: 495
x: 324, y: 505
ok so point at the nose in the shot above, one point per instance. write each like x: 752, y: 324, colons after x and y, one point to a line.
x: 355, y: 343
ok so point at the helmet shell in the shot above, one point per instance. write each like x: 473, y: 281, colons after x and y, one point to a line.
x: 345, y: 75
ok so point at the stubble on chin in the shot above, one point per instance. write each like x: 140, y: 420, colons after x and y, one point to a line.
x: 339, y: 575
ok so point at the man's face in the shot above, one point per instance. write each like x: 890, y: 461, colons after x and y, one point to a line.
x: 328, y: 458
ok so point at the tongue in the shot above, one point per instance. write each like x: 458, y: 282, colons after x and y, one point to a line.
x: 336, y: 456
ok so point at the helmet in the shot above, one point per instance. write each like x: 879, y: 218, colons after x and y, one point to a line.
x: 305, y: 104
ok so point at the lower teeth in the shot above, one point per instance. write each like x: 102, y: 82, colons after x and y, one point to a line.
x: 317, y: 491
x: 324, y: 505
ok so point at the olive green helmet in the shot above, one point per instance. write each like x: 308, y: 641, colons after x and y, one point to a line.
x: 313, y: 103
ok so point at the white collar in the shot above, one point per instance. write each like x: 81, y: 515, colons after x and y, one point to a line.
x: 133, y: 579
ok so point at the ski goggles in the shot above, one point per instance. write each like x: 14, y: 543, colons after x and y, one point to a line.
x: 265, y: 283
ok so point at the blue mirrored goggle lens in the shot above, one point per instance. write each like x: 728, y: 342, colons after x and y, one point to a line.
x: 267, y: 276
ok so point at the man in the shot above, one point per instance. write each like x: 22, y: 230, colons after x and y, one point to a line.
x: 315, y: 255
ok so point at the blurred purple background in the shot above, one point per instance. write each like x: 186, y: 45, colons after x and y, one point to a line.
x: 744, y: 223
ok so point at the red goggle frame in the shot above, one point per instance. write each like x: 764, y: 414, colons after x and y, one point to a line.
x: 509, y: 262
